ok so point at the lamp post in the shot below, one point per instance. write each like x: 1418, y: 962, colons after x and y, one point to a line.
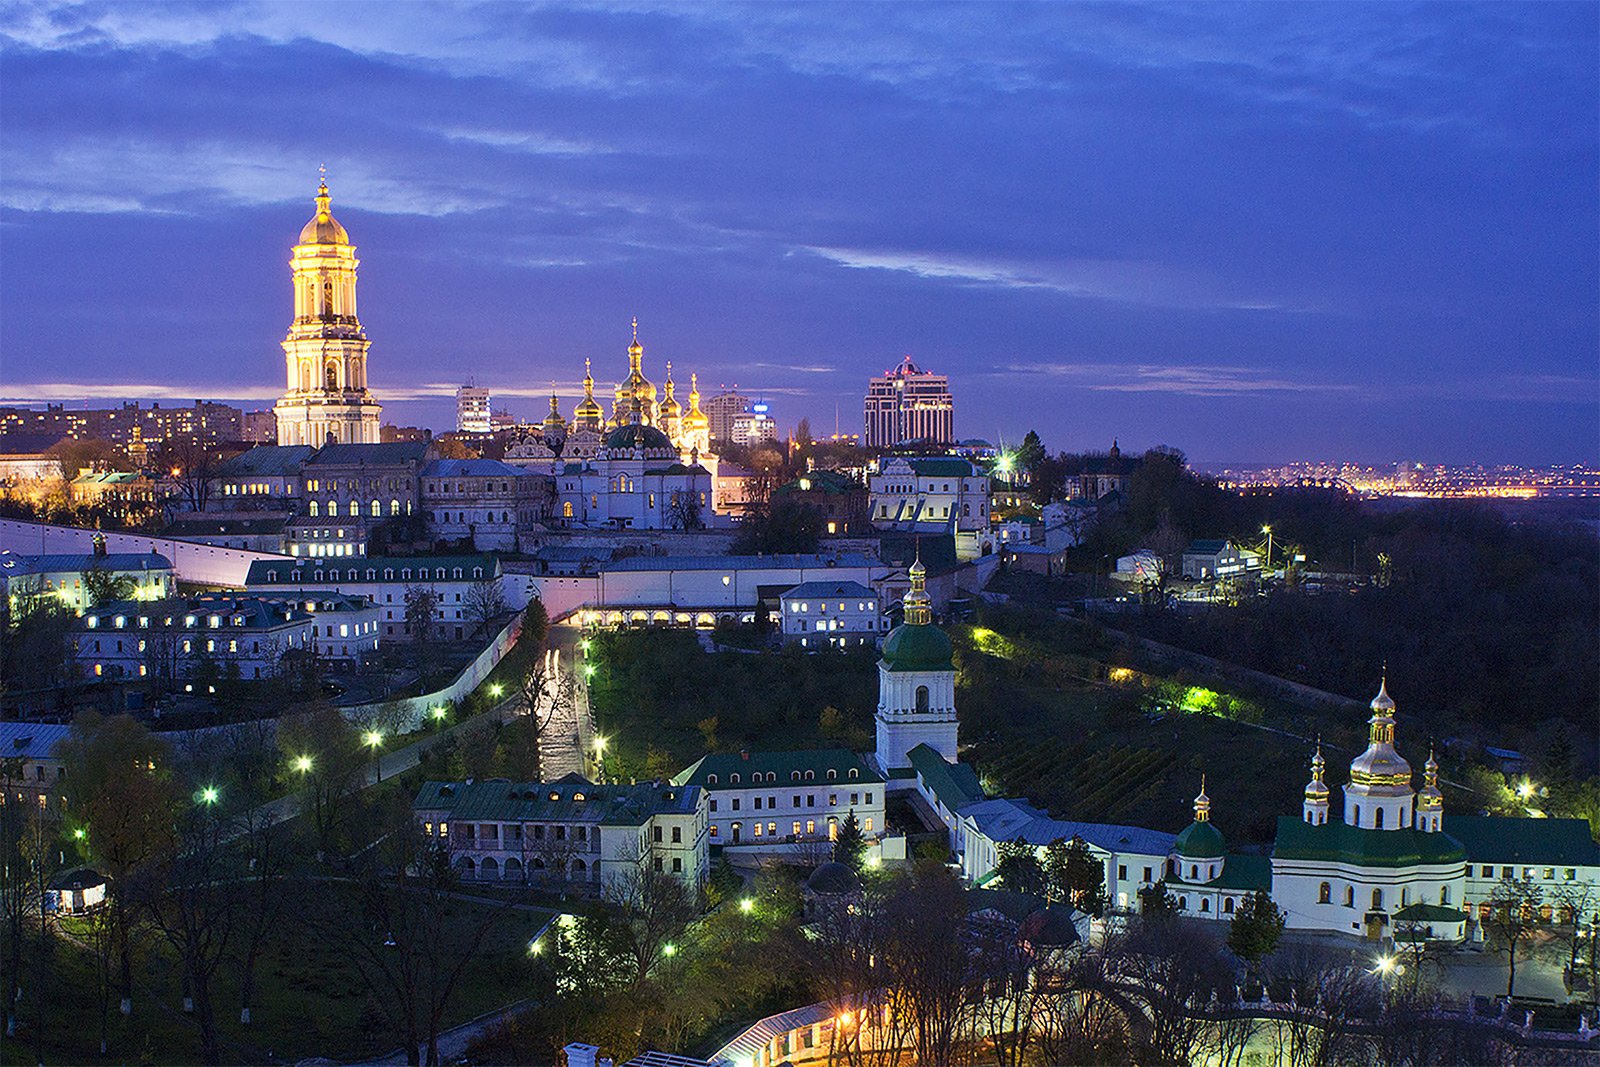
x: 302, y: 764
x: 374, y: 738
x: 600, y: 759
x: 1267, y: 529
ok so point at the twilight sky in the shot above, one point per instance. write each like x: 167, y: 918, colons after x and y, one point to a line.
x: 1254, y: 232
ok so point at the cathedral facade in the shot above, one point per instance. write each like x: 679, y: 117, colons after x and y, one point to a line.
x: 326, y: 399
x: 648, y: 466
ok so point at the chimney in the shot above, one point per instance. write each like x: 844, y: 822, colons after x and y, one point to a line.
x: 581, y: 1055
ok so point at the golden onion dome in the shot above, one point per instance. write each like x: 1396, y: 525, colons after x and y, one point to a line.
x: 694, y: 418
x: 1380, y: 764
x: 323, y: 229
x: 588, y: 409
x: 670, y: 408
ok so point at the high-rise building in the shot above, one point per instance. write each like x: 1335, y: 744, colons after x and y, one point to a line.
x: 722, y: 409
x: 753, y: 426
x: 472, y: 410
x: 325, y: 353
x: 909, y: 404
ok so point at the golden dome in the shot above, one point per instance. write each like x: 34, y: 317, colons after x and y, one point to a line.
x: 1317, y: 789
x: 1380, y: 764
x: 323, y: 229
x: 588, y: 410
x: 694, y: 418
x: 670, y: 408
x: 553, y: 422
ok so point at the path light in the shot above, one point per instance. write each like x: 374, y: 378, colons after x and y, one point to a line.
x: 374, y: 738
x: 209, y: 795
x: 496, y: 689
x: 588, y: 670
x: 746, y: 904
x: 1525, y: 790
x: 669, y: 949
x: 1386, y: 965
x: 438, y: 711
x: 302, y: 764
x: 80, y: 833
x: 599, y: 745
x: 535, y: 947
x: 584, y: 644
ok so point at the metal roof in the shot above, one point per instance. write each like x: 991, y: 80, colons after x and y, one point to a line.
x: 473, y: 468
x: 356, y: 455
x: 569, y: 800
x: 31, y: 740
x: 783, y: 764
x: 782, y: 561
x: 1546, y: 842
x: 1341, y: 843
x: 954, y: 784
x: 266, y: 461
x: 828, y: 589
x: 72, y: 562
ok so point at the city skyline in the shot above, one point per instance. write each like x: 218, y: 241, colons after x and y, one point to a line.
x: 1178, y: 236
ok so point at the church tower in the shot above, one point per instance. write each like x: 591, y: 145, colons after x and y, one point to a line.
x: 669, y: 415
x: 695, y: 427
x: 325, y: 353
x: 1379, y: 795
x: 636, y: 395
x: 916, y: 683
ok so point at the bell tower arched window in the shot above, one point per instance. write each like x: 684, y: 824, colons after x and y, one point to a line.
x: 922, y: 698
x: 327, y: 298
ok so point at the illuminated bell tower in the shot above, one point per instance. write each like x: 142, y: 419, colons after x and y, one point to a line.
x: 1379, y: 796
x: 325, y: 353
x: 916, y: 683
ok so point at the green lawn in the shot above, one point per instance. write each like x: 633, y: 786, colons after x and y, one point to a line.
x: 310, y: 1000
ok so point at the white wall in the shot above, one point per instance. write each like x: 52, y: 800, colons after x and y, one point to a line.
x: 191, y: 562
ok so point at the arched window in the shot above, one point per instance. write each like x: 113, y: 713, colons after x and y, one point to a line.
x: 1349, y: 896
x: 1357, y: 819
x: 566, y: 509
x: 312, y: 508
x: 1194, y: 872
x: 1444, y: 894
x: 333, y: 509
x: 1377, y: 818
x: 1205, y: 905
x: 330, y: 376
x: 922, y: 698
x: 1183, y: 903
x: 810, y: 775
x: 305, y: 375
x: 377, y: 510
x: 1377, y: 900
x: 1227, y: 906
x: 1325, y: 894
x: 711, y: 779
x: 327, y: 296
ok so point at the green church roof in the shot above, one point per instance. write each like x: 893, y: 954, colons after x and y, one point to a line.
x: 911, y: 647
x: 1201, y: 841
x: 1335, y: 842
x: 1504, y: 839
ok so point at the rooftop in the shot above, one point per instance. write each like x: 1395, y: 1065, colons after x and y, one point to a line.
x: 395, y: 452
x: 1008, y: 819
x: 472, y: 468
x: 355, y: 568
x: 73, y: 562
x: 570, y: 800
x: 954, y: 784
x: 30, y: 740
x: 823, y: 590
x: 1342, y: 843
x: 784, y: 764
x: 1547, y: 842
x: 784, y: 561
x: 266, y: 461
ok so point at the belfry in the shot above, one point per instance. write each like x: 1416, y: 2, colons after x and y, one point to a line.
x: 325, y: 352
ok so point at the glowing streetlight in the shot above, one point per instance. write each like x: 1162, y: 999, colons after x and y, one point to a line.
x: 79, y: 833
x: 302, y: 764
x: 374, y: 738
x: 584, y: 644
x: 535, y: 947
x: 746, y: 905
x: 438, y: 712
x: 1525, y: 790
x: 599, y: 746
x: 669, y: 949
x: 496, y: 689
x: 209, y: 795
x: 1267, y: 529
x: 588, y: 670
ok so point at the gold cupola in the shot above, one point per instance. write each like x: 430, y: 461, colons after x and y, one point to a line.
x: 635, y: 395
x: 554, y: 424
x: 1316, y: 799
x: 1379, y: 794
x: 669, y: 414
x: 588, y: 415
x: 323, y: 229
x: 1430, y: 801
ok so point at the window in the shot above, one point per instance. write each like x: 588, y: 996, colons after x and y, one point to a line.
x: 922, y: 698
x: 677, y: 865
x: 713, y: 803
x: 655, y: 833
x: 1349, y: 896
x: 1325, y: 893
x: 1227, y: 905
x: 1444, y: 894
x: 867, y: 826
x: 1377, y: 819
x: 713, y: 829
x: 1205, y: 905
x: 1377, y: 900
x: 797, y: 828
x: 1147, y: 874
x: 758, y: 803
x: 711, y: 779
x: 1122, y: 872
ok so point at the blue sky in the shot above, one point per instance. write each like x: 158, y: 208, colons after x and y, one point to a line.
x: 1253, y: 232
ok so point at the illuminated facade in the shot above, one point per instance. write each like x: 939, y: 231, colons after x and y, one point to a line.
x: 325, y: 353
x: 909, y: 404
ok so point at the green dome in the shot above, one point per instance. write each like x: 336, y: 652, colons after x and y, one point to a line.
x: 1201, y: 841
x: 634, y: 435
x: 913, y: 647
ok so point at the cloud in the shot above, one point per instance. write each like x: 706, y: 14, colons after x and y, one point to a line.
x: 1126, y: 281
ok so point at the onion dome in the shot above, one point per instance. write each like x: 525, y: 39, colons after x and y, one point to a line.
x: 916, y: 644
x: 1050, y: 927
x: 1380, y: 764
x: 669, y: 408
x: 1200, y: 839
x: 554, y: 424
x: 1431, y: 797
x: 635, y: 393
x: 323, y: 229
x: 694, y: 418
x: 833, y: 879
x: 1317, y: 788
x: 588, y: 413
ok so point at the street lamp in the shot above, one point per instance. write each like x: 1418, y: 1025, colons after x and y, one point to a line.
x: 588, y: 670
x: 669, y: 949
x: 746, y: 905
x: 1525, y: 790
x: 1267, y: 529
x: 79, y: 833
x: 208, y: 795
x: 438, y: 712
x: 374, y: 738
x: 496, y: 689
x: 302, y: 764
x: 584, y: 644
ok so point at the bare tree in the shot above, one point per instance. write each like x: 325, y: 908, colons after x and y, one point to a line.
x: 1513, y: 919
x: 485, y: 601
x: 1178, y: 969
x: 929, y: 966
x: 325, y: 756
x: 684, y: 512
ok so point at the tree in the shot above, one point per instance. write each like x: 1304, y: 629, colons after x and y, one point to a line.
x: 1073, y: 875
x: 1156, y: 902
x: 684, y: 511
x: 1513, y: 919
x: 1255, y: 929
x: 328, y: 766
x: 784, y: 526
x: 118, y: 785
x: 485, y: 602
x: 849, y: 846
x: 101, y: 585
x: 406, y: 932
x: 422, y: 612
x: 1017, y: 865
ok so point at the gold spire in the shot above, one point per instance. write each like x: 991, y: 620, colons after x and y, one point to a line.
x: 323, y: 229
x: 1380, y: 765
x: 588, y: 414
x: 694, y: 418
x: 1202, y: 803
x: 1317, y: 789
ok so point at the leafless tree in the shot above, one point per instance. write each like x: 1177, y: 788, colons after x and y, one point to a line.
x: 1325, y: 995
x: 485, y: 601
x: 652, y: 910
x: 684, y: 511
x: 928, y: 966
x: 1177, y: 969
x: 1013, y: 986
x: 1513, y: 919
x: 408, y: 935
x: 841, y: 956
